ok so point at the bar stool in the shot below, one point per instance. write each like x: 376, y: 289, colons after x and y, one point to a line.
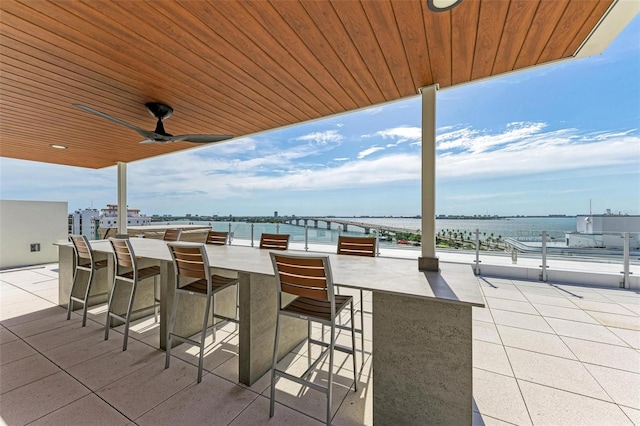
x: 84, y: 262
x: 310, y: 279
x: 274, y: 241
x: 217, y: 238
x: 172, y: 235
x: 191, y: 264
x: 127, y: 271
x: 358, y: 246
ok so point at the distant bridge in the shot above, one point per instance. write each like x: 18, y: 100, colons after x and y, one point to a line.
x: 304, y: 221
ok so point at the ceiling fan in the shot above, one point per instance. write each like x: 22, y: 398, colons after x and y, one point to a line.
x: 159, y: 135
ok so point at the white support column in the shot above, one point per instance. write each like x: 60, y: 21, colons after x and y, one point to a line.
x: 428, y: 260
x: 122, y: 198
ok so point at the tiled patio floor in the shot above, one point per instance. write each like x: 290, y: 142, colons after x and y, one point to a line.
x: 544, y: 354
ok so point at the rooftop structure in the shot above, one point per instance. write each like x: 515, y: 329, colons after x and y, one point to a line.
x: 242, y: 68
x: 544, y: 353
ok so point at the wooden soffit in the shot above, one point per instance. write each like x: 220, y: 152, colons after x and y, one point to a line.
x: 243, y: 67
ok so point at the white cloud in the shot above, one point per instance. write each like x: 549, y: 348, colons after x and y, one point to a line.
x: 400, y: 135
x: 476, y: 141
x: 322, y: 138
x: 341, y: 159
x: 369, y: 151
x: 541, y: 157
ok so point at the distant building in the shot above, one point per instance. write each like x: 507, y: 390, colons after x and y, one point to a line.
x: 604, y: 231
x: 109, y: 217
x: 275, y: 214
x: 83, y: 222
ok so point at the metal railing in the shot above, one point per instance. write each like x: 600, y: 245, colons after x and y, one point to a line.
x: 546, y: 246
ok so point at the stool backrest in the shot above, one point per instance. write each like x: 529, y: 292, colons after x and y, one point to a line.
x: 357, y: 246
x: 218, y: 238
x: 303, y: 276
x: 81, y: 247
x: 190, y: 260
x: 123, y: 254
x: 172, y: 235
x: 274, y: 241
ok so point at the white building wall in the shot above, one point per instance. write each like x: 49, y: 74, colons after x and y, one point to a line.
x: 598, y: 224
x: 23, y: 223
x: 84, y: 222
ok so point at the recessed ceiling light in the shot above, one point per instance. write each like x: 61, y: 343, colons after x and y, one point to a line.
x: 58, y: 146
x: 442, y: 5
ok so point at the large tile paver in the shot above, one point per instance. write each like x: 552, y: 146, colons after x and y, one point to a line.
x: 58, y: 319
x: 98, y: 372
x: 510, y: 294
x: 6, y: 335
x: 24, y: 371
x: 603, y: 354
x: 619, y: 321
x: 70, y: 332
x: 357, y: 407
x: 15, y: 350
x: 147, y: 387
x: 560, y: 373
x: 516, y: 319
x: 602, y: 306
x: 550, y: 406
x: 486, y: 331
x: 568, y: 313
x: 23, y: 309
x: 511, y: 305
x: 534, y: 341
x: 632, y: 414
x: 556, y: 300
x: 481, y: 314
x: 622, y: 386
x: 89, y: 410
x: 491, y: 357
x: 81, y: 350
x: 499, y: 396
x: 579, y: 330
x: 305, y: 400
x: 631, y: 337
x: 214, y: 401
x: 48, y: 310
x: 28, y: 403
x: 257, y: 413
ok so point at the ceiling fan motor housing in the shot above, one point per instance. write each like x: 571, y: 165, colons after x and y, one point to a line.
x: 159, y: 110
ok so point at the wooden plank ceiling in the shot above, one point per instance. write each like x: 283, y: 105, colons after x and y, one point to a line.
x: 241, y: 67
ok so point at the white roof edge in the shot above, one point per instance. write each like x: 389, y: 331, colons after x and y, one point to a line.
x: 620, y: 13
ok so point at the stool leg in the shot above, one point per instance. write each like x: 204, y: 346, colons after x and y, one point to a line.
x: 86, y: 298
x: 204, y: 334
x: 330, y: 381
x: 308, y: 342
x: 128, y: 317
x: 213, y: 320
x: 73, y: 286
x: 353, y: 350
x: 172, y: 321
x: 361, y: 326
x: 273, y: 367
x: 107, y: 324
x: 155, y: 299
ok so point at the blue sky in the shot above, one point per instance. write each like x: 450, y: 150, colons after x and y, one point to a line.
x: 544, y: 141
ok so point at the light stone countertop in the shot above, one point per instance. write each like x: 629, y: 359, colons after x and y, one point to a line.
x: 455, y: 283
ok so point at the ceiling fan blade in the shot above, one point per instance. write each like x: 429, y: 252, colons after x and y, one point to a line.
x: 144, y: 133
x: 200, y: 138
x: 157, y: 138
